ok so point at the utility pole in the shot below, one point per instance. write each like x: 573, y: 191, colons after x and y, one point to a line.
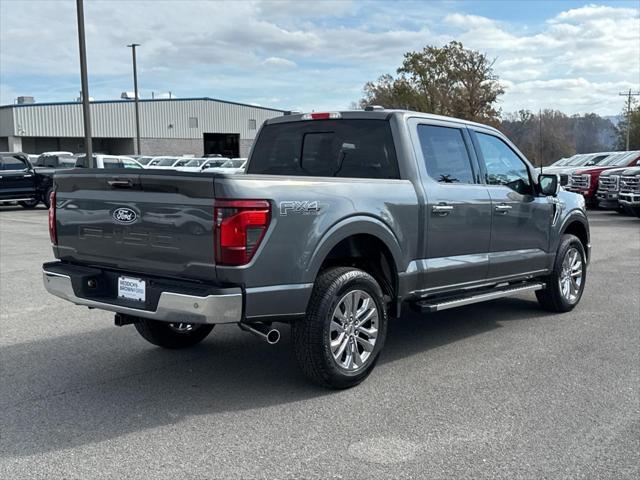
x: 85, y: 85
x: 135, y: 93
x: 540, y: 138
x: 628, y: 94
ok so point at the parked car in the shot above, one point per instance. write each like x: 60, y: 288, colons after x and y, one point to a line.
x: 230, y: 166
x: 213, y: 163
x: 585, y: 180
x: 629, y: 196
x: 167, y: 163
x: 192, y: 165
x: 55, y: 160
x: 144, y: 160
x: 581, y: 160
x: 608, y: 189
x: 108, y: 161
x: 19, y: 181
x: 342, y: 220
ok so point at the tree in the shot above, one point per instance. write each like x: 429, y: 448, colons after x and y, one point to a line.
x: 634, y: 134
x: 550, y: 135
x: 451, y: 81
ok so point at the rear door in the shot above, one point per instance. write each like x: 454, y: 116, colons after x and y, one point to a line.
x: 458, y: 210
x: 521, y: 220
x: 17, y: 179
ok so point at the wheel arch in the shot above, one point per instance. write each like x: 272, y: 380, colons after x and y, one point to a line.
x: 578, y: 226
x: 361, y: 238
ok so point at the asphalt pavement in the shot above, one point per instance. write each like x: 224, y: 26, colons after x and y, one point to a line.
x: 495, y: 390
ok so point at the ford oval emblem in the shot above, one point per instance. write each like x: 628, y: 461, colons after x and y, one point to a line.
x: 124, y: 215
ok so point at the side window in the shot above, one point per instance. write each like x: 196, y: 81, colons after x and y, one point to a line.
x: 503, y: 166
x: 11, y: 162
x: 445, y: 154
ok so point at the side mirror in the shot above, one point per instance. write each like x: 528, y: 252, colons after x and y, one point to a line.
x: 549, y: 184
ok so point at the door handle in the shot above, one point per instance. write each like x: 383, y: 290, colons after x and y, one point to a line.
x: 442, y: 209
x: 503, y: 208
x: 120, y: 183
x: 27, y: 175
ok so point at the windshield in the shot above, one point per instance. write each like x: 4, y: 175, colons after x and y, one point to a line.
x: 196, y: 162
x: 165, y: 162
x: 233, y: 164
x: 144, y: 160
x: 213, y: 163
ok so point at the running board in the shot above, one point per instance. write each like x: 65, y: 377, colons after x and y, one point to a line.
x: 426, y: 306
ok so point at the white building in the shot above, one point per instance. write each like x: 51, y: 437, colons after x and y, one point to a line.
x: 167, y: 126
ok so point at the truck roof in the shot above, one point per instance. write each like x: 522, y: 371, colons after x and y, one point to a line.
x: 378, y: 114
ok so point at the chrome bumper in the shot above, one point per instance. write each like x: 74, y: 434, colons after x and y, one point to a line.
x: 172, y: 307
x: 629, y: 199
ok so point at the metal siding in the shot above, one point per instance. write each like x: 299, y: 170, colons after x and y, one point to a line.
x: 117, y: 120
x: 6, y: 122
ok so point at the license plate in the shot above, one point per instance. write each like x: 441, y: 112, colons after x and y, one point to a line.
x: 131, y: 288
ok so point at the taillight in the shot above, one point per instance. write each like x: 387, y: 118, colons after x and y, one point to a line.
x: 53, y: 233
x: 239, y: 228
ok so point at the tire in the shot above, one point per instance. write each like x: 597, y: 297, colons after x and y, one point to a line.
x: 329, y: 319
x: 29, y: 204
x: 566, y: 267
x: 172, y: 335
x: 46, y: 198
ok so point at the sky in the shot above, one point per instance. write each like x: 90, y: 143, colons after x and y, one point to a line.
x: 566, y: 55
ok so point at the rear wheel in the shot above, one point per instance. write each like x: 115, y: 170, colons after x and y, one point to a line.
x: 29, y: 204
x: 566, y: 283
x: 337, y: 344
x: 172, y: 335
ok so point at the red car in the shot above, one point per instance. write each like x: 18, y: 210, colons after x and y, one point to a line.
x: 585, y: 180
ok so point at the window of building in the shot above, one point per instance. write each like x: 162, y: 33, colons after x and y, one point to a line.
x: 445, y: 154
x: 252, y: 124
x: 193, y: 122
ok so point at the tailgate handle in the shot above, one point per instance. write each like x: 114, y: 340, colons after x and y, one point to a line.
x: 120, y: 183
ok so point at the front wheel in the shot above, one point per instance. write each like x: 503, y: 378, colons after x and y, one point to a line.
x: 566, y: 283
x: 172, y: 335
x: 338, y: 342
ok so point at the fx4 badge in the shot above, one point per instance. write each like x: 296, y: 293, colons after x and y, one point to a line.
x: 301, y: 208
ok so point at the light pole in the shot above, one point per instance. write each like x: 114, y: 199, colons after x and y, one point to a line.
x: 135, y: 93
x: 86, y: 112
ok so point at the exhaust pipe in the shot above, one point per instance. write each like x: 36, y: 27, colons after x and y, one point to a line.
x: 271, y: 335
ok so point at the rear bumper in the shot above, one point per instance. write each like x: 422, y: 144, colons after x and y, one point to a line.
x: 216, y: 305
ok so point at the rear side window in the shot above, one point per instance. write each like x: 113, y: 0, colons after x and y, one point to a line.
x: 445, y: 154
x: 326, y: 148
x: 112, y: 163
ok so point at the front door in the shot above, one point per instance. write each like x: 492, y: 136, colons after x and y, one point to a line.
x: 521, y: 220
x: 458, y: 208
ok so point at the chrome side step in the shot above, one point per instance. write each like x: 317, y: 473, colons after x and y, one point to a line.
x: 427, y: 306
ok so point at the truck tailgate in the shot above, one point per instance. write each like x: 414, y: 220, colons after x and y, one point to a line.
x: 153, y: 222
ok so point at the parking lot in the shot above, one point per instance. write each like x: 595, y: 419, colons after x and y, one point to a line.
x: 494, y: 390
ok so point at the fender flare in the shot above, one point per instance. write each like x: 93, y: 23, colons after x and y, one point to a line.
x: 348, y: 227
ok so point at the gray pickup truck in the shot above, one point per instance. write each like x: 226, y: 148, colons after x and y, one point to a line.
x: 342, y: 220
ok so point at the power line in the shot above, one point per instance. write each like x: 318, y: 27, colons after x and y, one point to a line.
x: 628, y: 94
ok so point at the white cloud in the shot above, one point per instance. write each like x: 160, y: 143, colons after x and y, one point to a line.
x: 227, y: 49
x: 278, y: 62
